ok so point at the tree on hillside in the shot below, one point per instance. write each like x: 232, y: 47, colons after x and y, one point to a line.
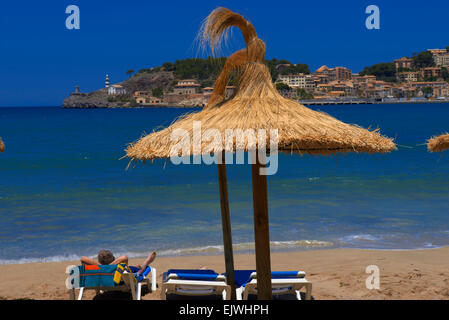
x: 168, y: 66
x: 129, y: 73
x: 294, y: 69
x: 197, y: 68
x: 271, y: 64
x: 303, y: 94
x: 157, y: 92
x: 382, y: 71
x: 280, y: 86
x: 423, y: 59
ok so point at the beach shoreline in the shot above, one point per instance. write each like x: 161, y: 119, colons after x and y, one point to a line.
x: 334, y: 273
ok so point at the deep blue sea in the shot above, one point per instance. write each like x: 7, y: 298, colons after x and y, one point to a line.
x: 64, y: 192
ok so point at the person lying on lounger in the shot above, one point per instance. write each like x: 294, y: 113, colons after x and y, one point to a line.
x: 106, y: 257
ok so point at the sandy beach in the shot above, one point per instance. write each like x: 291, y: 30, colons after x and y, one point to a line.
x: 335, y: 273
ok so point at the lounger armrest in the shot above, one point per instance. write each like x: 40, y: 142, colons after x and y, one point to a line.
x: 221, y: 278
x: 172, y: 276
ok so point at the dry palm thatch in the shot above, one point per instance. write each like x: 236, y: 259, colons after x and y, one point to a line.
x: 256, y: 105
x: 234, y: 62
x: 2, y: 145
x: 214, y: 31
x: 438, y: 144
x: 216, y: 26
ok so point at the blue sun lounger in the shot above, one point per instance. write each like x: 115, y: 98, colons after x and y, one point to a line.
x: 101, y: 278
x: 194, y: 283
x: 282, y: 283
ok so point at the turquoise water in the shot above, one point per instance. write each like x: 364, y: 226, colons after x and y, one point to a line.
x: 64, y: 192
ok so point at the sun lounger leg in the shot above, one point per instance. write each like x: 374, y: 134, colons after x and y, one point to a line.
x: 238, y: 293
x: 80, y: 294
x: 153, y: 279
x: 139, y: 290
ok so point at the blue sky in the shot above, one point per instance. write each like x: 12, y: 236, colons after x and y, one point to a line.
x: 41, y: 61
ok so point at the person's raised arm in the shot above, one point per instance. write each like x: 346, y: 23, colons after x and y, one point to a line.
x: 87, y: 260
x: 122, y: 259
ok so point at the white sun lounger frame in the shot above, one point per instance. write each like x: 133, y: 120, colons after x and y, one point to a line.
x: 279, y: 286
x: 191, y: 288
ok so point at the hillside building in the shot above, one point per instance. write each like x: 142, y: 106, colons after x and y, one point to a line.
x: 404, y: 62
x: 408, y: 76
x: 146, y: 98
x: 185, y: 87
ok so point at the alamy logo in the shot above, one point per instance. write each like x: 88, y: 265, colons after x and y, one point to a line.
x: 373, y: 280
x: 373, y: 20
x: 208, y: 145
x: 73, y: 20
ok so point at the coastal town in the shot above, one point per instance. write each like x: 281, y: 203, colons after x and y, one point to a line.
x: 422, y: 77
x: 411, y: 82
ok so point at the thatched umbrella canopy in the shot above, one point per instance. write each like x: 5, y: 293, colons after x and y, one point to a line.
x: 439, y: 143
x: 256, y: 105
x: 2, y: 145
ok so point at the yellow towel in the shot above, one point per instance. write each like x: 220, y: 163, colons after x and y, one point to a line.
x: 122, y: 267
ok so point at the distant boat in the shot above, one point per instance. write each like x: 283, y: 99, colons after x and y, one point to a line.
x: 2, y: 145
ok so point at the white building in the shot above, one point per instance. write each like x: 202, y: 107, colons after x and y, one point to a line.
x: 115, y: 88
x: 300, y: 80
x: 407, y: 76
x: 441, y: 60
x: 440, y: 56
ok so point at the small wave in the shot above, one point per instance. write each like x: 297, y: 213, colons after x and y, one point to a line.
x: 40, y: 260
x: 359, y: 237
x: 190, y: 251
x: 247, y: 246
x: 301, y: 243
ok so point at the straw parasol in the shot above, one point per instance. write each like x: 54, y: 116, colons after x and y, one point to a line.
x: 439, y: 143
x: 257, y: 105
x: 2, y: 145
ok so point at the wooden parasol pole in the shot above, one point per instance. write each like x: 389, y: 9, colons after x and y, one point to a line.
x: 261, y: 232
x: 226, y: 225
